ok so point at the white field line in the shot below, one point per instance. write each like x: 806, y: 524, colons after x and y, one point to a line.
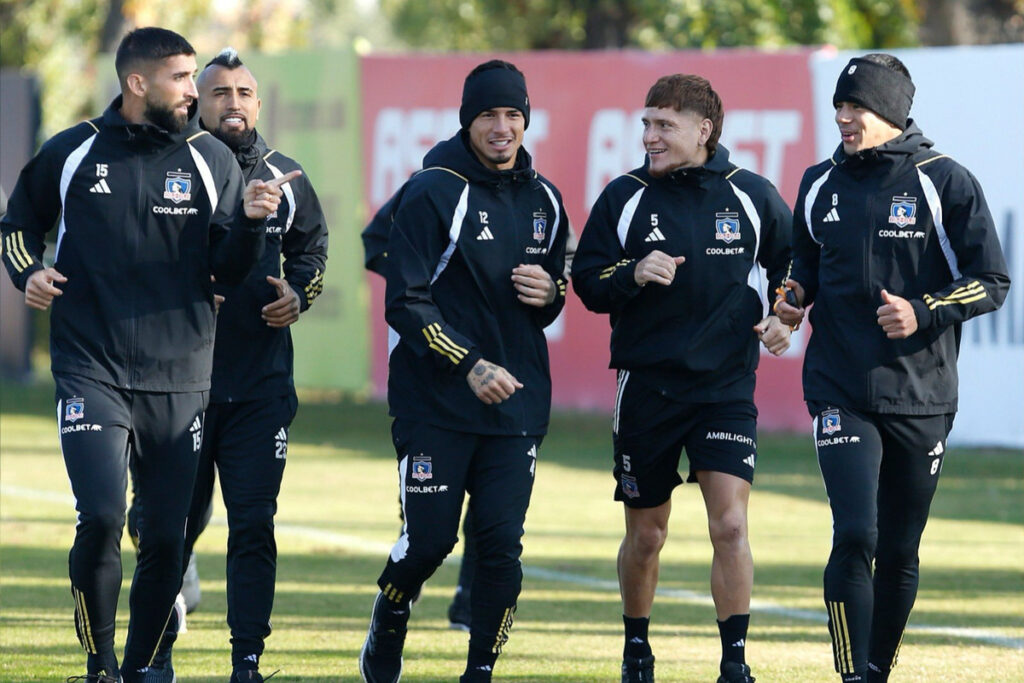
x: 362, y: 545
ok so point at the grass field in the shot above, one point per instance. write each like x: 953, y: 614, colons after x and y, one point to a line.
x: 338, y: 517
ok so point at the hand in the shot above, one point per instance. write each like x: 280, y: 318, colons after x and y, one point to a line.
x: 896, y: 316
x: 218, y: 299
x: 283, y: 311
x: 262, y: 197
x: 774, y: 334
x: 39, y: 289
x: 491, y: 383
x: 657, y: 267
x: 534, y: 285
x: 788, y: 313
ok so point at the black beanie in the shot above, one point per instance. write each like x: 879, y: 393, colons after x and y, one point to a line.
x: 497, y: 87
x: 886, y: 92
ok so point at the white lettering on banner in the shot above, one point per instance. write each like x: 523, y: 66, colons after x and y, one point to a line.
x: 615, y: 143
x: 1005, y: 327
x: 402, y: 137
x: 772, y: 130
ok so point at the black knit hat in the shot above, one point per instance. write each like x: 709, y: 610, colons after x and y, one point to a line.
x: 886, y: 92
x: 499, y: 85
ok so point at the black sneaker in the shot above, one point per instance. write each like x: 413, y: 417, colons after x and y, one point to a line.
x: 249, y: 676
x: 161, y: 670
x: 380, y: 660
x: 477, y: 676
x: 638, y: 670
x: 101, y: 677
x: 734, y: 672
x: 459, y: 612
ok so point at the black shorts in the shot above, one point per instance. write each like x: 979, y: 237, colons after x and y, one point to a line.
x: 650, y: 432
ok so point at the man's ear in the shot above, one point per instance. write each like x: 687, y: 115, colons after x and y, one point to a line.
x: 706, y: 128
x: 137, y: 84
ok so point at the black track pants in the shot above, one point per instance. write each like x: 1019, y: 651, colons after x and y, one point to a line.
x: 880, y: 473
x: 437, y: 467
x: 246, y: 445
x: 101, y: 427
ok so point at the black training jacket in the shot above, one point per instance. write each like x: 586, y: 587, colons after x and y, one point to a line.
x: 904, y: 218
x: 377, y: 232
x: 145, y: 217
x: 251, y: 360
x: 693, y: 339
x: 457, y: 233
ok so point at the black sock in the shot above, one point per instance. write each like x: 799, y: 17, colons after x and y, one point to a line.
x: 636, y: 637
x: 876, y: 674
x: 245, y: 662
x: 479, y: 665
x: 855, y: 677
x: 391, y: 612
x: 105, y: 663
x: 733, y: 632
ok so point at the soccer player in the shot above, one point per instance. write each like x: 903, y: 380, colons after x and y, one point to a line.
x: 252, y: 397
x: 676, y: 252
x: 894, y: 245
x: 149, y: 206
x: 375, y: 245
x: 475, y: 272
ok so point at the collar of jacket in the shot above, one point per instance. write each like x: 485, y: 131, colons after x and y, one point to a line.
x: 886, y: 157
x: 138, y: 132
x: 250, y: 153
x: 717, y: 165
x: 455, y: 153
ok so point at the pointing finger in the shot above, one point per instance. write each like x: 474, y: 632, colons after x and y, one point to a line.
x: 287, y: 177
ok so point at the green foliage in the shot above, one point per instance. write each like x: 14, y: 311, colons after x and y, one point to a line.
x: 62, y: 40
x: 651, y: 24
x: 59, y: 39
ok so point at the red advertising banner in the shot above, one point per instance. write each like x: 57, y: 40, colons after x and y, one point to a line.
x: 584, y: 131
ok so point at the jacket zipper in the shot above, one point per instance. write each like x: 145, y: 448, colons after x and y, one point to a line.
x: 132, y: 317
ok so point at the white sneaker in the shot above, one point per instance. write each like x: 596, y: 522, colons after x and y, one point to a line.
x: 179, y: 607
x: 190, y: 585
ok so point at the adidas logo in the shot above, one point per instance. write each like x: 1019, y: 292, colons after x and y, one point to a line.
x: 655, y: 236
x: 750, y: 461
x: 740, y: 643
x: 832, y: 216
x: 101, y: 187
x: 485, y: 234
x: 281, y: 444
x: 197, y: 434
x: 938, y: 450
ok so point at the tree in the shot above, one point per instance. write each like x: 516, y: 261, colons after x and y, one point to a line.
x: 63, y: 42
x: 971, y: 22
x: 651, y: 24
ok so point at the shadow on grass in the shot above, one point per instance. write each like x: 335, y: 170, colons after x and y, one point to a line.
x: 335, y: 587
